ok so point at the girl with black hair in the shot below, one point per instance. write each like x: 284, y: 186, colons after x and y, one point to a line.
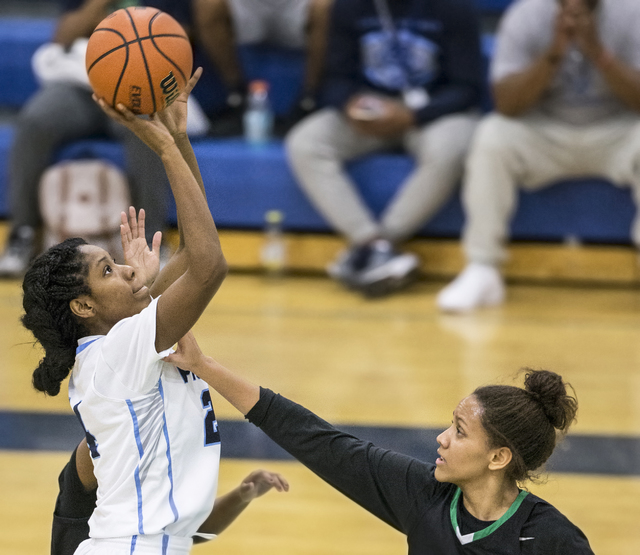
x: 151, y: 430
x: 469, y: 501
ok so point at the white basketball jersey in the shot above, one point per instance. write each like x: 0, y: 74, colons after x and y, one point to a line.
x: 151, y: 430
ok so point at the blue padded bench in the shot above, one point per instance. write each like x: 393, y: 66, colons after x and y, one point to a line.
x: 244, y: 182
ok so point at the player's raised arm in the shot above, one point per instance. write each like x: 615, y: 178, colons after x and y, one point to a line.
x: 205, y: 266
x: 175, y: 119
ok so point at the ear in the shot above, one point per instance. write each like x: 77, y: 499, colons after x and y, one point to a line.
x: 82, y: 307
x: 500, y: 458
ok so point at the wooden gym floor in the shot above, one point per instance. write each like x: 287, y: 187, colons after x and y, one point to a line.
x: 392, y: 362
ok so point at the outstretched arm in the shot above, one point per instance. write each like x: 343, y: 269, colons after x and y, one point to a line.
x: 383, y: 482
x: 229, y: 506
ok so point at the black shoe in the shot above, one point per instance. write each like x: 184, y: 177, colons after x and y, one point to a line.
x: 18, y: 253
x: 349, y: 263
x: 387, y: 270
x: 228, y: 123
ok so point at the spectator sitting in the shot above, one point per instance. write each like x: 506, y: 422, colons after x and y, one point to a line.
x: 566, y: 81
x: 298, y: 24
x: 407, y: 73
x: 61, y: 112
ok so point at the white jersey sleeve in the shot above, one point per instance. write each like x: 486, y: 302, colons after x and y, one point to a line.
x: 131, y: 361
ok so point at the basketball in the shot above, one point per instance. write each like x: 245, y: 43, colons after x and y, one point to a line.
x: 140, y: 57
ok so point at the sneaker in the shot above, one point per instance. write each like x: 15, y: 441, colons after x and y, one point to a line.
x: 18, y: 253
x: 477, y: 285
x: 386, y: 270
x: 349, y: 262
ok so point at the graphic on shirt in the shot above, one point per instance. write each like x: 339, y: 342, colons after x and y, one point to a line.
x: 576, y: 80
x: 399, y: 61
x: 91, y: 439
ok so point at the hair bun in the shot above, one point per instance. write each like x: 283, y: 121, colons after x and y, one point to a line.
x: 550, y: 391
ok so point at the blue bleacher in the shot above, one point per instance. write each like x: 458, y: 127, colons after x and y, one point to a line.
x: 243, y: 182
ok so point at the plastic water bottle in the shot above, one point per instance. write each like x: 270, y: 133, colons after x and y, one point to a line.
x: 258, y: 119
x: 274, y: 250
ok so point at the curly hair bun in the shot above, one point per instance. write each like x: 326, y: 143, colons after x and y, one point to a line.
x: 550, y: 391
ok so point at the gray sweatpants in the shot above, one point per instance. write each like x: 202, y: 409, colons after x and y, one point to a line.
x: 320, y: 144
x: 61, y: 113
x: 533, y: 152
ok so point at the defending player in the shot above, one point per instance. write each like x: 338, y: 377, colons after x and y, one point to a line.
x: 469, y: 501
x: 152, y: 431
x: 77, y: 499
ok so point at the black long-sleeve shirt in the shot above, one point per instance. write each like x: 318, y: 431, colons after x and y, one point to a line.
x: 436, y: 45
x: 403, y: 492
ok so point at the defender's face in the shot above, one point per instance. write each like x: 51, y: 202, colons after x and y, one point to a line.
x: 114, y: 292
x: 464, y: 446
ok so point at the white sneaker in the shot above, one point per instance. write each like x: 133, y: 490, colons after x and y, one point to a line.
x: 476, y: 286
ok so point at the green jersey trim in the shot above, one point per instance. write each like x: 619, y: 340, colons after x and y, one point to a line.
x: 468, y: 538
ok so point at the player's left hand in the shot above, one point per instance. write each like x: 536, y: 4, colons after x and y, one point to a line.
x: 144, y: 261
x: 260, y: 482
x: 174, y: 116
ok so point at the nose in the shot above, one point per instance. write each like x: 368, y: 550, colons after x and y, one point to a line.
x: 128, y: 272
x: 442, y: 439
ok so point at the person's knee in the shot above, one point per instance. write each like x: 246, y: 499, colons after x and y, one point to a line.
x: 494, y: 136
x: 299, y: 143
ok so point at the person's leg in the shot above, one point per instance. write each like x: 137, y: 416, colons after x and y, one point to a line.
x: 55, y: 115
x: 505, y: 153
x: 622, y: 166
x: 214, y: 29
x: 317, y: 30
x: 318, y: 148
x: 302, y: 25
x: 148, y: 182
x: 439, y: 150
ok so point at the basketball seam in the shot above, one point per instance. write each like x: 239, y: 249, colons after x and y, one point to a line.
x: 144, y: 58
x: 129, y: 43
x: 124, y: 66
x: 152, y: 37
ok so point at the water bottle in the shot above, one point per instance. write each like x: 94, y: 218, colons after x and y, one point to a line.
x: 274, y: 250
x: 258, y: 118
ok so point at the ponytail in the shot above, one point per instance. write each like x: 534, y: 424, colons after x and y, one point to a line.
x: 53, y: 280
x: 528, y: 420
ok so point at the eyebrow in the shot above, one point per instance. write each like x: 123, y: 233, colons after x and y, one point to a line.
x: 459, y: 419
x: 103, y: 259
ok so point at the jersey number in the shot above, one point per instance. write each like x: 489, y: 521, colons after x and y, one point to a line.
x: 211, y: 433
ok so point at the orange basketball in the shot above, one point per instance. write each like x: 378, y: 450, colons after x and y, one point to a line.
x: 140, y: 57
